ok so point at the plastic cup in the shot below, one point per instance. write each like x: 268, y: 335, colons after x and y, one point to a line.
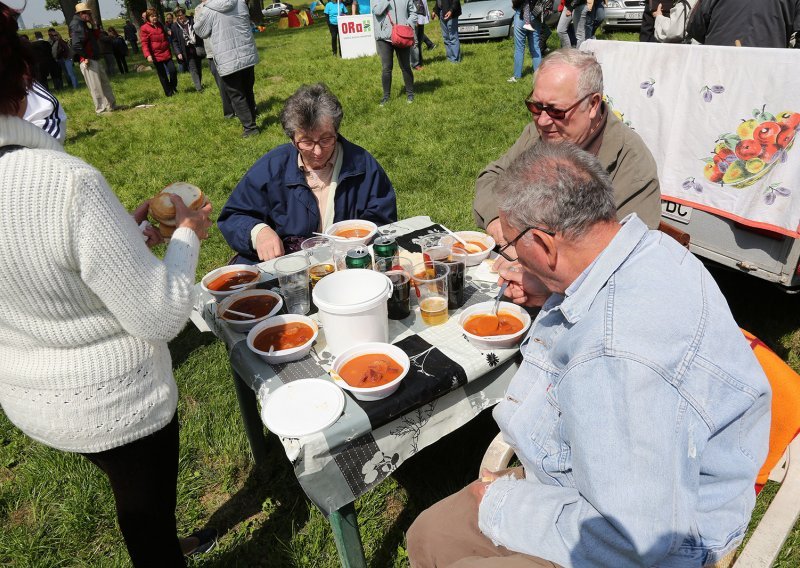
x: 398, y: 270
x: 431, y: 287
x: 293, y: 278
x: 435, y: 246
x: 457, y: 262
x: 320, y: 257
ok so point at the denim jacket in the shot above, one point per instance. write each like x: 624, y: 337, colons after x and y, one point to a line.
x: 640, y: 415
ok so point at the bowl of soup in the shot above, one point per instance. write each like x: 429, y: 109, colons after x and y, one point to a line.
x: 228, y: 280
x: 487, y: 332
x: 352, y: 233
x: 259, y: 303
x: 281, y: 339
x: 478, y: 247
x: 371, y: 371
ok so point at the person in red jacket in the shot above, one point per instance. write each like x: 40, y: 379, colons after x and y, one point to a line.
x: 156, y: 48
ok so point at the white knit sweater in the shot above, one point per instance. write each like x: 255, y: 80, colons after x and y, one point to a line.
x: 85, y: 308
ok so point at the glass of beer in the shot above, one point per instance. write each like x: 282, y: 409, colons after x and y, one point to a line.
x: 398, y: 270
x: 430, y: 281
x: 320, y: 256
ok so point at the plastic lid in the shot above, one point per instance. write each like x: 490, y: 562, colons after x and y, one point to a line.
x: 303, y: 407
x: 351, y: 291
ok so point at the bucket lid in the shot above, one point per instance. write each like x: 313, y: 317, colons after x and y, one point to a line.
x: 351, y: 291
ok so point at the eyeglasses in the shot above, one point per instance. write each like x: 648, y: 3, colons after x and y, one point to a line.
x: 512, y: 242
x: 538, y: 108
x: 308, y: 145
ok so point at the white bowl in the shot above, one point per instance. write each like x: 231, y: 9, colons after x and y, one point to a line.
x: 221, y: 295
x: 246, y: 325
x: 351, y: 224
x: 475, y: 258
x: 495, y: 341
x: 284, y: 355
x: 371, y: 393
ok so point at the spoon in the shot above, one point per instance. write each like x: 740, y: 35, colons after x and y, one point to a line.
x: 240, y: 314
x: 497, y: 298
x: 456, y: 237
x: 237, y: 286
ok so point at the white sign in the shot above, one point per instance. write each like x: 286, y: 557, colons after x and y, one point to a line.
x: 357, y: 36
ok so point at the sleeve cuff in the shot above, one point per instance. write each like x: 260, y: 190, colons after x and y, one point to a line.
x: 490, y: 506
x: 254, y: 233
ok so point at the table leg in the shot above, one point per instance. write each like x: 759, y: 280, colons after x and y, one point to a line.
x: 252, y: 421
x: 344, y: 523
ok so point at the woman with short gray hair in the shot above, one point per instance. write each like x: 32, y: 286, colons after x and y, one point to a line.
x: 303, y: 187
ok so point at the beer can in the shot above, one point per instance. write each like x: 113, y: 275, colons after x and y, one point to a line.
x: 385, y: 247
x: 358, y: 257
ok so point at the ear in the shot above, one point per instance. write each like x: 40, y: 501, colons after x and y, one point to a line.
x: 595, y: 102
x: 550, y: 248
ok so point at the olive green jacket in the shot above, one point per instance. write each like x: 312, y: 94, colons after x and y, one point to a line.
x: 623, y: 154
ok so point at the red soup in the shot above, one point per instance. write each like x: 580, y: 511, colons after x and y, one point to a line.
x: 283, y: 336
x: 370, y: 370
x: 225, y: 282
x: 353, y: 233
x: 258, y: 305
x: 487, y: 325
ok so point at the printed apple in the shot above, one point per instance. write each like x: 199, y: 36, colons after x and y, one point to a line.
x: 754, y: 165
x: 767, y: 132
x: 712, y: 173
x: 746, y: 128
x: 789, y: 118
x: 734, y: 173
x: 723, y: 153
x: 769, y: 152
x: 747, y: 149
x: 785, y: 136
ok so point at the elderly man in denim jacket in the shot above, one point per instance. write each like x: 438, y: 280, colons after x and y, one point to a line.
x: 640, y: 415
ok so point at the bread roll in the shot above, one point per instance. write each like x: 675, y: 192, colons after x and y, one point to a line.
x: 161, y: 207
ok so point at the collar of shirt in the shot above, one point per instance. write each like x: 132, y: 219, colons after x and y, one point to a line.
x: 595, y: 140
x: 319, y: 178
x: 579, y: 296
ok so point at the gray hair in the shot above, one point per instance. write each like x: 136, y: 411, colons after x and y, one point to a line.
x: 556, y: 186
x: 310, y: 107
x: 590, y: 74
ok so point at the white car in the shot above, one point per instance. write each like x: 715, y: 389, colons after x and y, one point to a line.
x: 275, y: 10
x: 624, y: 14
x: 485, y: 19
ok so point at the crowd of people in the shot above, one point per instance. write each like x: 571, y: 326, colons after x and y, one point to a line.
x: 639, y: 414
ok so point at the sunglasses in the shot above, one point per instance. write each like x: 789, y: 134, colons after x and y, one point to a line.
x: 502, y: 250
x: 538, y: 108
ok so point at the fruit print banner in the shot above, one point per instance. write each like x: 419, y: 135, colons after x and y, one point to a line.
x: 720, y: 122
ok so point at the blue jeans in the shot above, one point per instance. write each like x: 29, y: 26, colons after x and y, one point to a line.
x: 532, y: 38
x: 452, y: 45
x: 578, y: 20
x: 69, y: 70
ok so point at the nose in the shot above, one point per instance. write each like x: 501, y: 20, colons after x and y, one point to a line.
x: 544, y: 120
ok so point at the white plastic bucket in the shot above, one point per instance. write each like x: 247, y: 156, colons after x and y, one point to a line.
x: 352, y: 308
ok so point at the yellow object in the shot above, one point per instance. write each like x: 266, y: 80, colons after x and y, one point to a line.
x: 303, y: 17
x: 283, y: 23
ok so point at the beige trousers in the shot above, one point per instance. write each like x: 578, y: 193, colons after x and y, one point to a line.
x: 99, y: 86
x: 447, y: 535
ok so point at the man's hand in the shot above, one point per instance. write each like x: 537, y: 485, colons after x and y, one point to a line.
x: 199, y: 221
x: 447, y: 15
x: 568, y: 13
x: 150, y: 58
x: 478, y: 488
x: 523, y: 288
x: 657, y: 11
x: 268, y: 244
x: 496, y: 231
x: 180, y: 57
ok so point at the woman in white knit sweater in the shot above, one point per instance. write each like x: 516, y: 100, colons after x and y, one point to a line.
x: 86, y: 311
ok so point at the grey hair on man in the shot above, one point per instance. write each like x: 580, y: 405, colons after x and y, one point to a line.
x: 309, y: 108
x: 556, y: 186
x: 590, y: 77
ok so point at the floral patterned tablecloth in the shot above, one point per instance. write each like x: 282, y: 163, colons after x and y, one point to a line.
x: 449, y: 383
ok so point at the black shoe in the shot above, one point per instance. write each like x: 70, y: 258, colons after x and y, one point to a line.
x: 207, y: 541
x: 249, y: 133
x: 384, y: 100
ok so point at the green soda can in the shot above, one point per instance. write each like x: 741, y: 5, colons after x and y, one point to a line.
x: 385, y: 247
x: 358, y: 257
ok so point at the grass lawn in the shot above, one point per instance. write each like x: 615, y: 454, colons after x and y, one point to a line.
x: 56, y: 509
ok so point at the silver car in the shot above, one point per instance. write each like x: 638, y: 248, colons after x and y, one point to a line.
x: 626, y: 14
x: 482, y: 19
x: 275, y: 10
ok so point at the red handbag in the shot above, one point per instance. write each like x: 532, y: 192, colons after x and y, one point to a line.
x: 402, y: 35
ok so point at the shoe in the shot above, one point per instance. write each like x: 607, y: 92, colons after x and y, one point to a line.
x: 384, y: 100
x: 230, y: 116
x: 512, y: 79
x: 249, y: 133
x: 528, y: 27
x: 410, y: 99
x: 433, y: 46
x: 207, y: 538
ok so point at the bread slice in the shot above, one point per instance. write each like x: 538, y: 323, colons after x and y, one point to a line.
x: 161, y: 207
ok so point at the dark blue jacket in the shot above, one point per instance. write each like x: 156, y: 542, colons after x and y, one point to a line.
x: 274, y: 191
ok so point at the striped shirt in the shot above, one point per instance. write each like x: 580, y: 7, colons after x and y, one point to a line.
x: 46, y: 112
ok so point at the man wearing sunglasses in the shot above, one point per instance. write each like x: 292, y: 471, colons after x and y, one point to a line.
x: 566, y: 105
x: 639, y: 415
